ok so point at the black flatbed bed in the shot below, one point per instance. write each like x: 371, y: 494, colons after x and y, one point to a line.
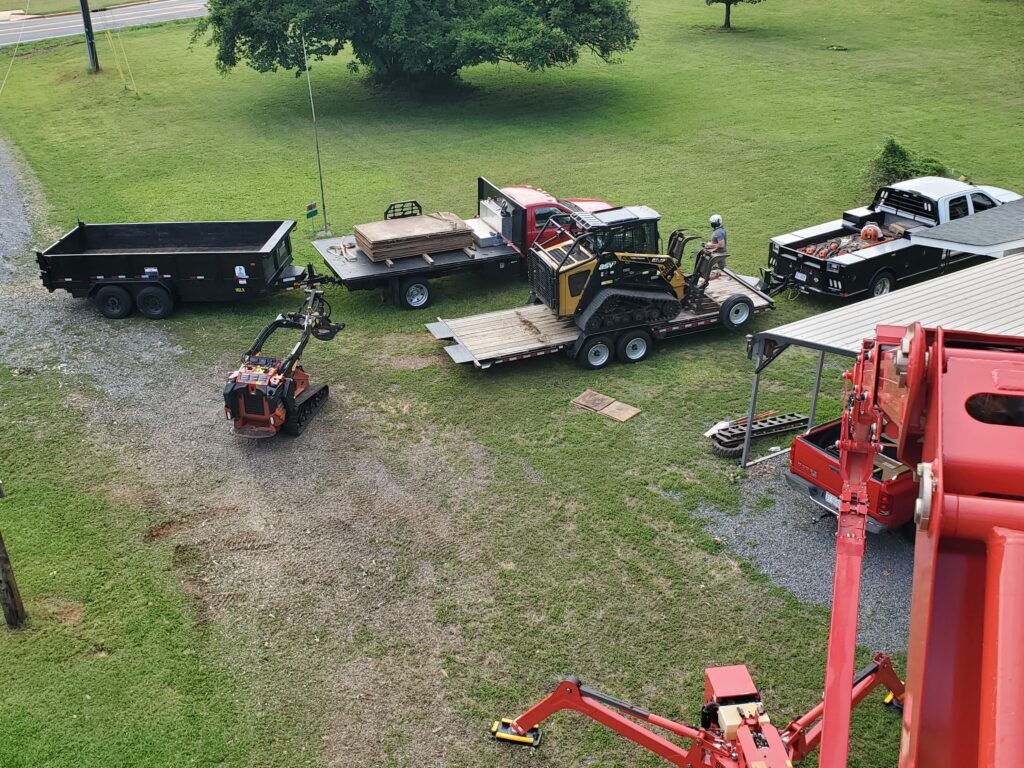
x: 356, y: 272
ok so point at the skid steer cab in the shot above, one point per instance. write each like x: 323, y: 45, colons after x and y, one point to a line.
x: 267, y: 395
x: 603, y: 271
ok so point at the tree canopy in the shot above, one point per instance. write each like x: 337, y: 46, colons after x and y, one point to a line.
x: 418, y: 40
x: 894, y: 162
x: 728, y: 8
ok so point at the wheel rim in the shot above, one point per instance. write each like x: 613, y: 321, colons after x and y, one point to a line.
x: 598, y: 355
x: 636, y: 348
x: 152, y: 305
x: 113, y: 304
x: 739, y: 313
x: 416, y: 295
x: 883, y: 286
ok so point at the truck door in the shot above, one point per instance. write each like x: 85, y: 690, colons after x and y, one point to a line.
x: 959, y: 208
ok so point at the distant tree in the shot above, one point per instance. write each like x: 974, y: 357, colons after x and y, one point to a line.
x: 417, y: 41
x: 728, y: 8
x: 894, y: 162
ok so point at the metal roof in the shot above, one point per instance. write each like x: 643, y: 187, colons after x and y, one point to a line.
x: 984, y: 299
x: 995, y: 231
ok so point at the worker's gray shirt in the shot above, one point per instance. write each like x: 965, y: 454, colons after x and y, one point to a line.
x: 719, y: 235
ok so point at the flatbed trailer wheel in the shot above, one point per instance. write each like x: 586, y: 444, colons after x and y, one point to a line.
x: 414, y: 293
x: 736, y: 311
x: 154, y: 302
x: 595, y: 353
x: 633, y: 346
x: 114, y: 302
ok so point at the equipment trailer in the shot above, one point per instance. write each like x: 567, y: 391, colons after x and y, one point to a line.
x: 507, y: 224
x: 595, y: 302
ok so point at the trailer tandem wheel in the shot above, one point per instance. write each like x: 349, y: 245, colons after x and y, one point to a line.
x: 413, y: 293
x: 154, y: 302
x: 114, y: 302
x: 595, y: 353
x: 633, y: 346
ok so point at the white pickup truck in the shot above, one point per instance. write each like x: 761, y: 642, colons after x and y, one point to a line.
x: 871, y: 249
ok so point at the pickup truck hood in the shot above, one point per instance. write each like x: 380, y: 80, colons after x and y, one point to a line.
x: 1000, y: 194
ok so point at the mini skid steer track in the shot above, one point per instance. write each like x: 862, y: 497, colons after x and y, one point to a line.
x: 267, y: 395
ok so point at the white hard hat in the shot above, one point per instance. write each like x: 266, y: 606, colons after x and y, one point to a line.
x: 716, y: 220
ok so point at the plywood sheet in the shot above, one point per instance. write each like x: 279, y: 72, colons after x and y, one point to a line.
x: 413, y: 236
x: 605, y: 405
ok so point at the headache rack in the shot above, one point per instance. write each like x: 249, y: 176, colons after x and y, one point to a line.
x: 906, y: 203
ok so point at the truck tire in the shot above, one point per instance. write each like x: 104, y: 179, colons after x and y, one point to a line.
x: 736, y: 311
x: 633, y: 346
x: 726, y: 451
x: 154, y: 302
x: 114, y: 302
x: 882, y: 283
x: 596, y: 353
x: 414, y: 293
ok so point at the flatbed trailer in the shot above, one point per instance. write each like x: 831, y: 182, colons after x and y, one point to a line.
x: 507, y: 222
x: 506, y: 336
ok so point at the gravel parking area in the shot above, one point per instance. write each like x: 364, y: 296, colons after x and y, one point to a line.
x: 792, y: 541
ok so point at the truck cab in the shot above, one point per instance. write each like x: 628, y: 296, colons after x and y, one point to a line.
x: 871, y: 250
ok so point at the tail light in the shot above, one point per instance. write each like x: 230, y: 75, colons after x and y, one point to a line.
x: 884, y: 504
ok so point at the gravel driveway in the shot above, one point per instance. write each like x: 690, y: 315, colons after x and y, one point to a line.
x: 792, y: 541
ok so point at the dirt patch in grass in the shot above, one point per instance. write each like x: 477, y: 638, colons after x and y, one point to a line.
x: 63, y: 611
x: 164, y: 529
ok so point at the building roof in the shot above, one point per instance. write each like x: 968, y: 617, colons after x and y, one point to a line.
x: 983, y: 299
x: 934, y: 187
x: 995, y: 231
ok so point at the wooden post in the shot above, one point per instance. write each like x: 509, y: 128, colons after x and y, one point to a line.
x: 10, y: 597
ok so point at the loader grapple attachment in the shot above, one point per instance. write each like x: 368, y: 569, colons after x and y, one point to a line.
x: 502, y: 730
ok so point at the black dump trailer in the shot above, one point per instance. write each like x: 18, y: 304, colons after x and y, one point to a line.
x: 153, y: 266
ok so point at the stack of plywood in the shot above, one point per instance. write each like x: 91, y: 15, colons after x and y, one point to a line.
x: 413, y: 236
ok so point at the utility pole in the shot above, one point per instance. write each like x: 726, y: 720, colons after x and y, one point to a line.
x: 90, y: 38
x: 14, y: 610
x: 316, y: 134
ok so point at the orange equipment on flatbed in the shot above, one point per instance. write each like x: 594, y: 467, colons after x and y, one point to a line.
x: 952, y: 403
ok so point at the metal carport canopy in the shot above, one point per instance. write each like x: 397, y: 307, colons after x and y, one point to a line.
x: 988, y: 298
x: 994, y: 232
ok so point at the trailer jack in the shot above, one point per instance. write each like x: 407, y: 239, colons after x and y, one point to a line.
x: 735, y: 730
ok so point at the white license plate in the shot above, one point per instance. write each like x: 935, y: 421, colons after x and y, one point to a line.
x: 832, y: 501
x: 800, y: 276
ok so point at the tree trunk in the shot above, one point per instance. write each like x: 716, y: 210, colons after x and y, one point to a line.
x: 728, y: 15
x: 10, y: 598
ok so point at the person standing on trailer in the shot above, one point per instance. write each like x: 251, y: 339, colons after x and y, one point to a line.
x: 718, y: 243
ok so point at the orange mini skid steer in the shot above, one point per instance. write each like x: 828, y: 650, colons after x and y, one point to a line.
x: 267, y: 395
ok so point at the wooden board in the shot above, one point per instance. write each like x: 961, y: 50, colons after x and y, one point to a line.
x: 413, y: 236
x: 606, y: 406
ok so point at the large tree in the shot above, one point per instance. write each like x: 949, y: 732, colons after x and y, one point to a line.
x: 728, y: 8
x: 418, y: 40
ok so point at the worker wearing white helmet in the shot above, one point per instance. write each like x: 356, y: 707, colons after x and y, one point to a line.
x: 718, y: 242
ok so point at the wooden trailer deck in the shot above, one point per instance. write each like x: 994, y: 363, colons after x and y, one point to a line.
x: 534, y: 330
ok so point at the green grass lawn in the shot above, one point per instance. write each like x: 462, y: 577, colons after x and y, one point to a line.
x: 766, y: 125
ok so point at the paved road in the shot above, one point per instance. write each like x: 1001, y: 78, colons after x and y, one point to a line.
x: 46, y: 27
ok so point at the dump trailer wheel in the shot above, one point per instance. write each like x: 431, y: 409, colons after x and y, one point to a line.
x: 596, y: 353
x: 633, y: 346
x: 414, y: 293
x: 736, y: 311
x: 114, y: 302
x: 154, y: 302
x: 882, y: 283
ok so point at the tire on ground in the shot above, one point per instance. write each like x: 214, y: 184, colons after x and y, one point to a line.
x: 154, y: 302
x: 114, y: 302
x: 596, y: 353
x: 725, y: 451
x: 882, y: 283
x: 736, y: 311
x: 633, y: 346
x: 414, y: 293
